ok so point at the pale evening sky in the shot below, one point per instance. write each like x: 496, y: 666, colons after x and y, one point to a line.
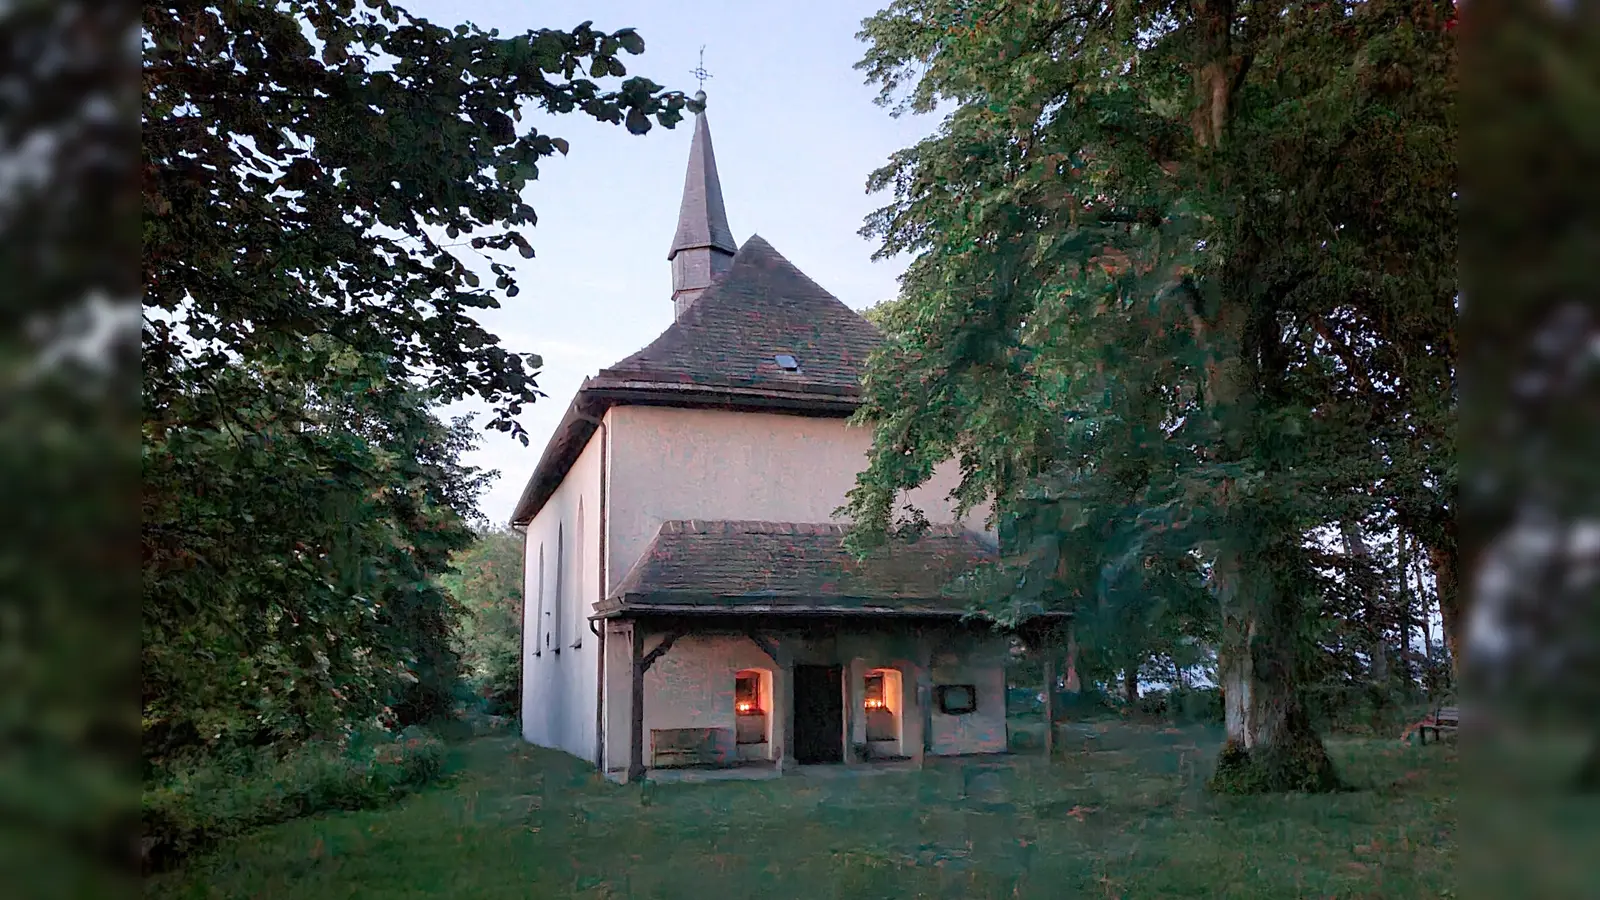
x: 795, y: 132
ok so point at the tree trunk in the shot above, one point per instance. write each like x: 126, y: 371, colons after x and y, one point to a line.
x: 1443, y: 560
x: 1271, y: 745
x: 1130, y: 684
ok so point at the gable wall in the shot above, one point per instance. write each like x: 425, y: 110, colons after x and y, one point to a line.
x: 669, y: 463
x: 559, y: 689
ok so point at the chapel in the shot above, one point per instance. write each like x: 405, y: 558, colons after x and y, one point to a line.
x: 688, y: 598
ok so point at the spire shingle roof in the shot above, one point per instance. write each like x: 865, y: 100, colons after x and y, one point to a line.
x: 702, y: 218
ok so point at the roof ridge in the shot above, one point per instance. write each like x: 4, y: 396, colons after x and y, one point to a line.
x: 778, y: 526
x: 749, y: 526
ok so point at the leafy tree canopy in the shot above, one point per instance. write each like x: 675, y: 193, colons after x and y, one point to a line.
x: 1183, y: 294
x: 486, y: 581
x: 321, y: 166
x: 317, y: 177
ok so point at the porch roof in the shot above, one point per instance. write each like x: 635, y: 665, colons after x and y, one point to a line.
x: 789, y: 568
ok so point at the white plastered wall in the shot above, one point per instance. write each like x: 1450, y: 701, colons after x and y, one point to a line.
x: 980, y: 662
x: 559, y: 688
x: 692, y: 685
x: 669, y: 463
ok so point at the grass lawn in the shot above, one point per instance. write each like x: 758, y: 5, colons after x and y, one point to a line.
x: 1122, y: 813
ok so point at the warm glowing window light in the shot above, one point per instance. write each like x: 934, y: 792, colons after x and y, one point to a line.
x: 875, y: 692
x: 747, y: 695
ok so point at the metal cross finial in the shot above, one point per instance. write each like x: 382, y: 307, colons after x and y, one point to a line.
x: 699, y: 72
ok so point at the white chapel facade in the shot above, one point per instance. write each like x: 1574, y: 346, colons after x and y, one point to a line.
x: 687, y: 599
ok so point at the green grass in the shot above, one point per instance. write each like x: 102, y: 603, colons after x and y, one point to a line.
x: 1122, y: 813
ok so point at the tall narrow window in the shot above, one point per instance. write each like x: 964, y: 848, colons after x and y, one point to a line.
x: 579, y: 598
x: 538, y: 615
x: 553, y: 640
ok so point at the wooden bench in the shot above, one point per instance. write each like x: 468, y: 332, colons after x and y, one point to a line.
x: 685, y: 747
x: 1444, y: 719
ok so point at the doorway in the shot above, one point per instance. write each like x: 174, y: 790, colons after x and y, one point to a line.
x: 818, y: 714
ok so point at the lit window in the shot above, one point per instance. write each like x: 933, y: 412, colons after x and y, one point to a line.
x: 747, y: 695
x: 875, y: 698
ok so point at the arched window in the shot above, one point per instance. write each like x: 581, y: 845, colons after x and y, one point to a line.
x: 553, y: 638
x: 579, y: 597
x: 538, y: 616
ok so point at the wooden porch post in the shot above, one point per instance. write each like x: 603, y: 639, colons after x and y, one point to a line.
x: 854, y: 690
x: 924, y: 696
x: 1049, y: 701
x: 785, y: 696
x: 636, y: 744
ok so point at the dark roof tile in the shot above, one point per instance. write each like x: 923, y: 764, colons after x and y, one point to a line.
x: 761, y: 307
x: 729, y: 565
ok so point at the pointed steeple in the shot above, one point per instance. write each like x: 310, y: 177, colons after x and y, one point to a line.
x: 703, y: 246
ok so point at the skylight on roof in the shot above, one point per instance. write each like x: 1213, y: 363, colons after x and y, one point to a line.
x: 786, y: 362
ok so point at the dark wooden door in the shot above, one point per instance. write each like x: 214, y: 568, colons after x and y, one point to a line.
x: 818, y: 714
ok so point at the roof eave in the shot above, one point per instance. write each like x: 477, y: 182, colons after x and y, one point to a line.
x: 727, y: 247
x: 572, y: 434
x: 663, y: 603
x: 670, y: 602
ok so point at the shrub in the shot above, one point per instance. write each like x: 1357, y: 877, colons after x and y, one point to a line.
x: 204, y: 801
x: 1024, y: 701
x: 1196, y: 705
x: 1154, y: 704
x: 1364, y: 709
x: 1085, y: 705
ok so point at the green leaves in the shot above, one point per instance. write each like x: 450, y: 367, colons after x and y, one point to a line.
x: 1150, y: 336
x: 486, y: 582
x: 371, y: 155
x: 289, y: 553
x: 303, y: 315
x: 630, y: 41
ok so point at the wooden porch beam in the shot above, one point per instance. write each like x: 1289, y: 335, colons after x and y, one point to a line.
x: 766, y: 645
x: 660, y: 649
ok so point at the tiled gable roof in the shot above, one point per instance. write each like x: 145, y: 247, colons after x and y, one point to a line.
x: 762, y: 307
x: 734, y: 566
x: 721, y: 352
